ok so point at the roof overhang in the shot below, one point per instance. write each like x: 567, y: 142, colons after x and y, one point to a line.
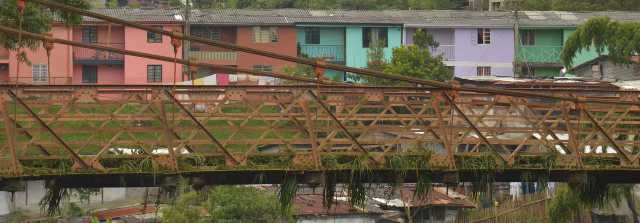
x: 457, y: 26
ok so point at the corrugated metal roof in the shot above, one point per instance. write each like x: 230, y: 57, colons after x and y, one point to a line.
x: 409, y: 18
x: 569, y: 19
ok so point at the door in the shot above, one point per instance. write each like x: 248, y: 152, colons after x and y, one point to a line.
x: 89, y: 74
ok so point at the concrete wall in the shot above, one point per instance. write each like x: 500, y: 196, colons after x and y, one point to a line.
x: 286, y: 45
x: 107, y: 74
x: 135, y: 68
x: 499, y: 54
x: 328, y: 35
x: 610, y: 71
x: 29, y: 199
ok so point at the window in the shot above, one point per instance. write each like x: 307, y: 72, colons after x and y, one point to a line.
x: 263, y: 68
x: 40, y: 72
x: 373, y: 35
x: 265, y: 34
x: 89, y: 34
x: 528, y: 38
x: 484, y: 71
x: 207, y: 33
x: 496, y: 6
x: 154, y: 73
x: 154, y: 37
x: 312, y: 35
x: 484, y: 36
x: 89, y: 74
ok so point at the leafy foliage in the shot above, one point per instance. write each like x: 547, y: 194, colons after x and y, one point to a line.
x: 34, y: 19
x: 570, y: 199
x: 620, y: 39
x: 417, y: 62
x: 226, y: 204
x: 409, y: 60
x: 242, y: 204
x: 186, y: 210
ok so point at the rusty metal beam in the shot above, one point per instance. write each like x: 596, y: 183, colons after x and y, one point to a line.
x: 473, y: 126
x: 75, y: 156
x: 342, y: 127
x: 204, y: 129
x: 28, y: 135
x: 607, y: 136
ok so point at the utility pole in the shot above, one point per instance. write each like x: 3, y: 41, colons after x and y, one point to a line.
x: 186, y: 47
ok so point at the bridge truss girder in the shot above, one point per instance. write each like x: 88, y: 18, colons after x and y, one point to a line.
x: 120, y: 130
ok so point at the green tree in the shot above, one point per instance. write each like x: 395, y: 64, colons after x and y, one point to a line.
x: 112, y: 4
x: 410, y: 60
x: 417, y: 62
x: 620, y: 39
x: 243, y: 204
x: 423, y: 39
x: 35, y: 19
x: 186, y: 210
x: 375, y: 61
x: 225, y: 204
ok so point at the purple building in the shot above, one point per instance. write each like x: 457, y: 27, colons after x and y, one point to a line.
x: 472, y: 43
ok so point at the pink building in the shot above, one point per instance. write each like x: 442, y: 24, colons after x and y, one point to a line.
x: 76, y: 65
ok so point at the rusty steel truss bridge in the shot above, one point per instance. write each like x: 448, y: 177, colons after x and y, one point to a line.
x: 130, y: 135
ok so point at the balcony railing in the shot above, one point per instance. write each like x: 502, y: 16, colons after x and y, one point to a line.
x: 539, y: 54
x: 333, y: 53
x: 214, y: 55
x: 95, y: 57
x: 448, y: 52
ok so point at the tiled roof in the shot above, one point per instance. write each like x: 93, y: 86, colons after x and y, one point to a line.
x: 311, y: 204
x: 409, y: 18
x: 139, y: 15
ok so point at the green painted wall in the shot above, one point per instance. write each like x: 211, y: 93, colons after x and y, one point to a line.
x: 332, y: 41
x: 549, y: 37
x: 546, y: 72
x: 356, y: 54
x: 547, y: 47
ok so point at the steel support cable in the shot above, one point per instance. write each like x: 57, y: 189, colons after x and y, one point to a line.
x: 7, y: 29
x: 331, y: 66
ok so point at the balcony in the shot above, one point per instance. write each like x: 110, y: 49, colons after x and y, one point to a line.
x: 219, y: 57
x: 85, y: 56
x: 448, y: 52
x: 540, y: 54
x: 333, y: 53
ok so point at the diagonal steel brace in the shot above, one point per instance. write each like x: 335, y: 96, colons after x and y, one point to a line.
x: 474, y: 127
x: 606, y: 135
x: 75, y: 156
x: 335, y: 119
x: 29, y: 136
x: 205, y: 130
